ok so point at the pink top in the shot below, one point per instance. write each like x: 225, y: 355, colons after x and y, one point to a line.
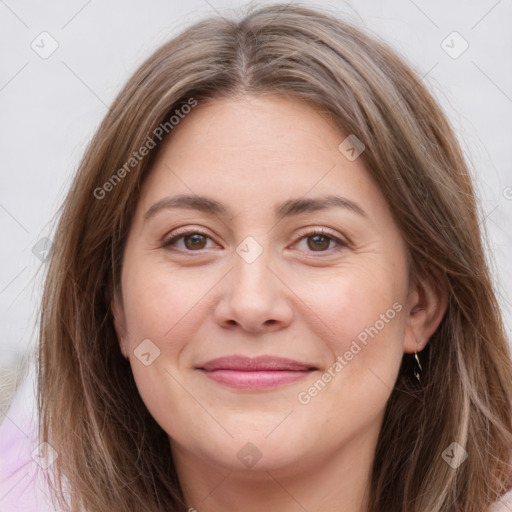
x: 25, y: 462
x: 23, y: 467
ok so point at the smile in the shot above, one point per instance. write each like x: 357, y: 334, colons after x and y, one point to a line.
x: 261, y: 373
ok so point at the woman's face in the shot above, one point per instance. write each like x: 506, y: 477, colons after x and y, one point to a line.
x: 257, y: 237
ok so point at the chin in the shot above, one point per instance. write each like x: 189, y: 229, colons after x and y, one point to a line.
x: 257, y: 451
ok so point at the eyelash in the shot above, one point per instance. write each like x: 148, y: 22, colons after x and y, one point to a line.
x: 304, y: 234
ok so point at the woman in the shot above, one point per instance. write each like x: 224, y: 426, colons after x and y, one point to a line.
x: 268, y: 289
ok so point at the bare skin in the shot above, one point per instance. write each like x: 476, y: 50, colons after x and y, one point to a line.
x: 306, y: 296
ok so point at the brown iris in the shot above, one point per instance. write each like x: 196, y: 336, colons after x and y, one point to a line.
x: 195, y: 241
x: 321, y: 242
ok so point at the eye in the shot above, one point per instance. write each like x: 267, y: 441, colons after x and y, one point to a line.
x: 191, y: 241
x: 316, y: 240
x: 321, y: 240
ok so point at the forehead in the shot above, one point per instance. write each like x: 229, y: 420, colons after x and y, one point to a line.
x: 252, y: 122
x: 256, y: 153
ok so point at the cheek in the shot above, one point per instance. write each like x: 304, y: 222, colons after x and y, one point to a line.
x: 357, y: 304
x: 165, y: 309
x: 161, y: 305
x: 351, y: 312
x: 363, y: 325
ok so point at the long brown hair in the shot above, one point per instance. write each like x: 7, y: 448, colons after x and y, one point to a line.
x: 112, y: 454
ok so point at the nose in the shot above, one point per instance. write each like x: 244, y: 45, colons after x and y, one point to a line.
x: 254, y: 298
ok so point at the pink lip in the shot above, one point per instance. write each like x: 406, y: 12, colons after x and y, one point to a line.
x: 259, y: 373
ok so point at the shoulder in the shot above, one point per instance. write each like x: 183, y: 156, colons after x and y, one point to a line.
x: 23, y: 472
x: 504, y: 504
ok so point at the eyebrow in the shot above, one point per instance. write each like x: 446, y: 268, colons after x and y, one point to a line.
x: 289, y: 208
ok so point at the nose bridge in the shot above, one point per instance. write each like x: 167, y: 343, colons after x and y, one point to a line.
x: 254, y: 298
x: 252, y: 274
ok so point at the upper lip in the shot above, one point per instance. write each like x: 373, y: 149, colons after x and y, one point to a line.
x: 254, y: 364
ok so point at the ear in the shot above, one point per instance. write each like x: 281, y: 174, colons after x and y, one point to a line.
x: 426, y: 309
x: 118, y: 316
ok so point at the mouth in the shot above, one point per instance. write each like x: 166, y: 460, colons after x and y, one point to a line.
x: 259, y: 373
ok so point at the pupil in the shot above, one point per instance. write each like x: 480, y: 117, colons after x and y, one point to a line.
x: 194, y: 241
x: 317, y: 241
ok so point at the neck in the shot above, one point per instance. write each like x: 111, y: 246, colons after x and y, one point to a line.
x: 334, y: 482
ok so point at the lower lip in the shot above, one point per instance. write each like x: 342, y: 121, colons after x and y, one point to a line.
x: 255, y: 380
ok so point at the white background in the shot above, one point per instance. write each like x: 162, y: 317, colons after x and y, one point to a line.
x: 51, y: 107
